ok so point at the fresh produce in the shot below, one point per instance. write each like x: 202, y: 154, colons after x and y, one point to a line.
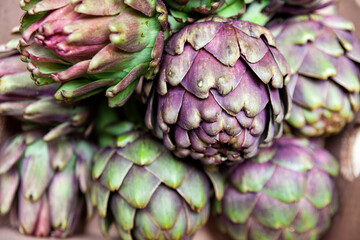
x: 220, y: 92
x: 324, y: 56
x: 286, y: 192
x: 146, y: 191
x: 44, y: 183
x: 215, y: 83
x: 22, y: 99
x: 93, y: 46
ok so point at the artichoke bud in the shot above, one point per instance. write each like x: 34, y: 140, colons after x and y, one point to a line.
x: 324, y: 57
x: 50, y: 182
x: 201, y: 108
x: 116, y: 48
x: 139, y: 176
x: 287, y: 191
x: 22, y: 99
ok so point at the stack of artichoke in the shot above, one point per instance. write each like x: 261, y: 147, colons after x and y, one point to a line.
x: 197, y: 97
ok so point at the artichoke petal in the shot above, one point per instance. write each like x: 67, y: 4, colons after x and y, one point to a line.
x: 9, y: 183
x: 36, y: 170
x: 138, y: 191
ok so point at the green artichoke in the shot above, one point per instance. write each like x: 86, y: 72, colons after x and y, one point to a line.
x: 146, y: 191
x: 22, y: 99
x: 91, y: 46
x: 221, y: 92
x: 324, y: 57
x: 286, y: 192
x: 48, y: 180
x: 187, y: 11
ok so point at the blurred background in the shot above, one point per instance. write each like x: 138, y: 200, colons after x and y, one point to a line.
x: 346, y: 224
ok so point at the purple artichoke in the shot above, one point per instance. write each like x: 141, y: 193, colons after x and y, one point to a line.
x: 50, y: 180
x: 91, y: 46
x: 220, y: 92
x: 286, y: 192
x: 22, y: 99
x: 324, y: 57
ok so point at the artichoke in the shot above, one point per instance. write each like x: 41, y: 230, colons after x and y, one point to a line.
x: 324, y: 57
x: 146, y: 191
x: 91, y: 46
x: 286, y: 192
x: 187, y: 11
x: 48, y: 180
x: 22, y: 99
x: 221, y: 92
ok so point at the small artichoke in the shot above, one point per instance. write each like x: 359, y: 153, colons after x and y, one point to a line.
x: 91, y: 46
x: 146, y: 191
x: 22, y: 99
x: 286, y: 192
x: 221, y: 91
x: 48, y: 180
x: 324, y: 56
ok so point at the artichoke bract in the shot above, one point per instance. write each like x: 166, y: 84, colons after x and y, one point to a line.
x: 190, y: 10
x: 286, y: 192
x: 44, y: 183
x: 91, y: 46
x: 147, y: 192
x: 22, y: 99
x: 220, y: 93
x: 324, y: 56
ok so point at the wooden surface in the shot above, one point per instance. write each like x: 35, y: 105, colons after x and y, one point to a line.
x: 346, y: 223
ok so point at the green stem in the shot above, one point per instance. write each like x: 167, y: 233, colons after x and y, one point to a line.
x: 175, y: 26
x: 254, y: 13
x: 230, y: 10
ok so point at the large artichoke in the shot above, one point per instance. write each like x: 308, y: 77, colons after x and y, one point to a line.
x: 286, y: 192
x: 48, y: 180
x: 324, y: 57
x: 146, y: 191
x: 92, y: 45
x: 220, y: 92
x: 22, y: 99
